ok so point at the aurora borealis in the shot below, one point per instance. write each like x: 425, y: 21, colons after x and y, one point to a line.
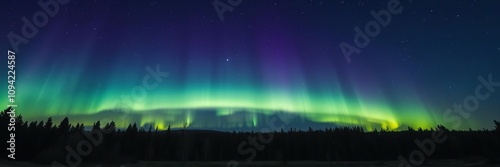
x: 90, y: 60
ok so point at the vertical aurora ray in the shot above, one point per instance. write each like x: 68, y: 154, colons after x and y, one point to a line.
x: 239, y: 73
x: 367, y: 106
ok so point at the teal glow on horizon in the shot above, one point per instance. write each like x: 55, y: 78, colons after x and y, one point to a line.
x: 264, y: 58
x: 332, y: 105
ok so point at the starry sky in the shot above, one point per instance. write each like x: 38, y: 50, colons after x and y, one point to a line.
x: 262, y: 57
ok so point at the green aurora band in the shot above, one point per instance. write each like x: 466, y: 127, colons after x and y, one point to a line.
x: 60, y: 94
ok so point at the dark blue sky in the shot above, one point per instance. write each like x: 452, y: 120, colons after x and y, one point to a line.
x: 263, y: 57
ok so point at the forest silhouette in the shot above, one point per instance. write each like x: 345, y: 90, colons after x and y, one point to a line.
x: 45, y: 142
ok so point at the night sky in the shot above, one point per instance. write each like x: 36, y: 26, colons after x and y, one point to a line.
x: 90, y: 60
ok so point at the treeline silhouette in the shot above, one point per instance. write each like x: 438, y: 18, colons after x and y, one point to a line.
x: 45, y: 142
